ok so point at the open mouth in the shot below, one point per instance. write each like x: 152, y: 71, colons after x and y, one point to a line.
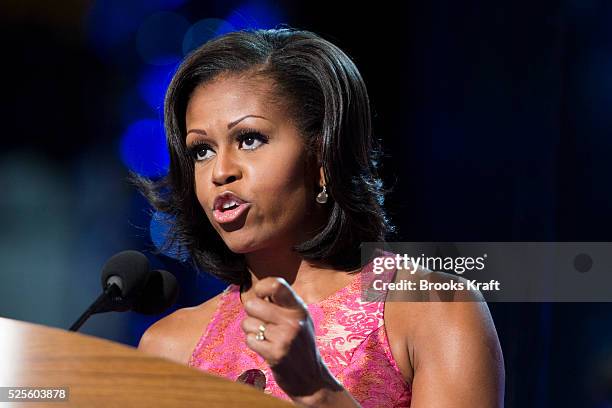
x: 230, y: 212
x: 230, y: 207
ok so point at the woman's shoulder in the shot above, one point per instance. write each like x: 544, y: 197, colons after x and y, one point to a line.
x: 439, y: 304
x: 175, y: 336
x: 448, y: 333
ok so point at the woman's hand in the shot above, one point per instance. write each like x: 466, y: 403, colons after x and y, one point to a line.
x: 289, y: 345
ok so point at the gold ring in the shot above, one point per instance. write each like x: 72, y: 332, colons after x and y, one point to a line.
x: 260, y: 334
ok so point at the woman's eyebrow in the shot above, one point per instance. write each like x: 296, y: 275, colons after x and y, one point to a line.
x: 229, y: 125
x: 234, y: 123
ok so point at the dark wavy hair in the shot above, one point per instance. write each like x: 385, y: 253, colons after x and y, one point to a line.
x: 327, y: 98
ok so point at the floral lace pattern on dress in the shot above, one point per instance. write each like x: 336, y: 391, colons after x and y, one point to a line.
x: 350, y: 335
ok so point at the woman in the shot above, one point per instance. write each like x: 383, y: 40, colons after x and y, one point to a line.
x: 273, y: 187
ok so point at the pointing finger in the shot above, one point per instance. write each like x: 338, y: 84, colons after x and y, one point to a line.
x: 279, y: 292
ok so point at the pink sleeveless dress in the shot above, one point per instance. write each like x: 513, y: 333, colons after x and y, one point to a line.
x: 350, y: 335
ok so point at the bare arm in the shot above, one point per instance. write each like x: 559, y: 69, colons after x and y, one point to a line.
x: 163, y: 338
x: 457, y: 357
x: 175, y: 336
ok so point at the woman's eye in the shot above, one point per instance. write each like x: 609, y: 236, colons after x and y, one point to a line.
x: 252, y: 140
x: 201, y: 152
x: 249, y: 140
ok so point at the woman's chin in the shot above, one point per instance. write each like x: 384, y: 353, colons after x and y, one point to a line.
x: 241, y: 247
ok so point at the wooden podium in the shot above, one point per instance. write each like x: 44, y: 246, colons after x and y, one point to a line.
x: 102, y: 373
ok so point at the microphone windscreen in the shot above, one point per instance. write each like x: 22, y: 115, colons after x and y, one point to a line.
x: 133, y: 269
x: 159, y: 293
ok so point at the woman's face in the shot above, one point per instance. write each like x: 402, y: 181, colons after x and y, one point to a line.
x: 243, y: 144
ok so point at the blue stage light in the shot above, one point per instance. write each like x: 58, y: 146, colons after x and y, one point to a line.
x: 110, y: 22
x: 154, y: 83
x: 109, y: 27
x: 132, y: 106
x: 203, y: 31
x: 159, y: 40
x: 143, y: 148
x: 256, y: 14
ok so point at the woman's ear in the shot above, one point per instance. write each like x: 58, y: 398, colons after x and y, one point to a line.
x: 322, y: 181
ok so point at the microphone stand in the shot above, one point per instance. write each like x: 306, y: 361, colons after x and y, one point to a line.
x: 102, y: 303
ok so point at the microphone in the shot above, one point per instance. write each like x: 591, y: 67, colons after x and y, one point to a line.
x: 129, y: 271
x: 159, y: 293
x: 128, y: 283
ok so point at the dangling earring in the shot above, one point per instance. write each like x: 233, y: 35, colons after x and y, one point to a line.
x: 322, y: 196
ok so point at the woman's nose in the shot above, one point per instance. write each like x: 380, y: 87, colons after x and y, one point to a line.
x: 226, y: 168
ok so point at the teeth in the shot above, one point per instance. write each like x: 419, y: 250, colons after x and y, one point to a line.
x: 229, y: 204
